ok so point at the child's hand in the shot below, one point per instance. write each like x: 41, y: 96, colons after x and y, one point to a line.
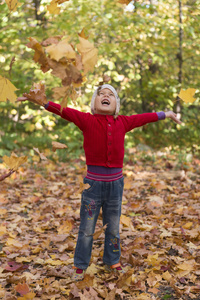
x: 35, y: 95
x: 173, y: 116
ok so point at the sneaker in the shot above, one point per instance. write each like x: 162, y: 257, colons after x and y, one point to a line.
x: 117, y: 268
x: 78, y: 274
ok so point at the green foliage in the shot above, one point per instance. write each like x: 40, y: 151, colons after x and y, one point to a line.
x: 138, y: 48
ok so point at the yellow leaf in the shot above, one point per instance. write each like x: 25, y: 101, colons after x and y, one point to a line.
x: 187, y: 95
x: 7, y: 90
x: 125, y: 221
x: 153, y: 260
x: 13, y: 162
x: 188, y: 225
x: 29, y: 296
x: 88, y: 53
x: 60, y: 50
x: 166, y: 276
x: 13, y: 4
x: 3, y: 230
x: 187, y: 266
x: 57, y: 145
x: 53, y: 8
x: 99, y: 232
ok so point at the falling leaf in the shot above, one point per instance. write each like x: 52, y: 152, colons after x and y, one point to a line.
x: 187, y: 95
x: 60, y: 50
x: 57, y: 145
x: 61, y: 1
x: 13, y: 162
x: 88, y: 53
x: 124, y: 1
x: 52, y: 40
x: 82, y: 34
x: 13, y: 4
x: 60, y: 92
x: 7, y: 90
x: 106, y: 78
x: 42, y: 156
x: 53, y: 8
x: 39, y: 56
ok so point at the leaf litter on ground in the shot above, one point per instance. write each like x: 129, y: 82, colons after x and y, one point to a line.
x: 160, y: 233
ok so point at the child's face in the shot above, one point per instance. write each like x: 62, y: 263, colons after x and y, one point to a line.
x: 105, y: 103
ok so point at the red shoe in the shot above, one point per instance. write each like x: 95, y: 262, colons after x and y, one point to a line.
x: 117, y: 268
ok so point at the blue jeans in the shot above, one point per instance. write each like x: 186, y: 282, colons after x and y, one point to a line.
x: 107, y: 195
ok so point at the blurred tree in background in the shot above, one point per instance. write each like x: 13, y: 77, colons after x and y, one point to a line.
x: 150, y: 49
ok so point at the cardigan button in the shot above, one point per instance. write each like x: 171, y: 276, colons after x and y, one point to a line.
x: 108, y: 163
x: 109, y: 133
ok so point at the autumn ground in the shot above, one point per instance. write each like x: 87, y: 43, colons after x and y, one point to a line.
x: 160, y: 233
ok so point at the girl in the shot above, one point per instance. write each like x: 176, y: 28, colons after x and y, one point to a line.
x: 104, y: 132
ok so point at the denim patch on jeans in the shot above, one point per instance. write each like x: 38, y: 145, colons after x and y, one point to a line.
x: 107, y: 195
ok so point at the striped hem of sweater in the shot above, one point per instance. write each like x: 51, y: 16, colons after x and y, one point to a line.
x: 104, y: 177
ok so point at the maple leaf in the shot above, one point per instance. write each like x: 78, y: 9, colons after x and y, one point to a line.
x: 36, y: 95
x: 82, y: 34
x: 53, y: 8
x: 51, y: 40
x: 22, y: 289
x: 13, y: 266
x: 13, y: 162
x: 60, y: 50
x: 60, y: 92
x: 187, y: 95
x: 39, y: 56
x: 13, y: 4
x: 88, y: 53
x: 57, y: 145
x: 7, y: 90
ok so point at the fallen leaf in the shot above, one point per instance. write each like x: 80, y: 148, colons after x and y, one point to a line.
x: 22, y: 289
x: 97, y: 234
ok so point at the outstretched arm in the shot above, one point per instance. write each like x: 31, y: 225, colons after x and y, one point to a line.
x: 173, y: 116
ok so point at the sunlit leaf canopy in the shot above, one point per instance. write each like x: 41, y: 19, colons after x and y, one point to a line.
x: 138, y: 48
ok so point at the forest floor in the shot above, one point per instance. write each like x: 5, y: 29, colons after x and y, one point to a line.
x: 160, y: 232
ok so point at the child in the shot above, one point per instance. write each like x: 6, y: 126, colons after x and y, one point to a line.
x: 104, y: 132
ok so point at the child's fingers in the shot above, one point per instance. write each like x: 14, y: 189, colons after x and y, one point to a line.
x: 21, y: 99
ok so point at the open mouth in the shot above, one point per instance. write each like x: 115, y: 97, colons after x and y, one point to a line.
x: 105, y: 102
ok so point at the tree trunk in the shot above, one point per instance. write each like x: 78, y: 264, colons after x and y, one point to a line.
x: 180, y: 55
